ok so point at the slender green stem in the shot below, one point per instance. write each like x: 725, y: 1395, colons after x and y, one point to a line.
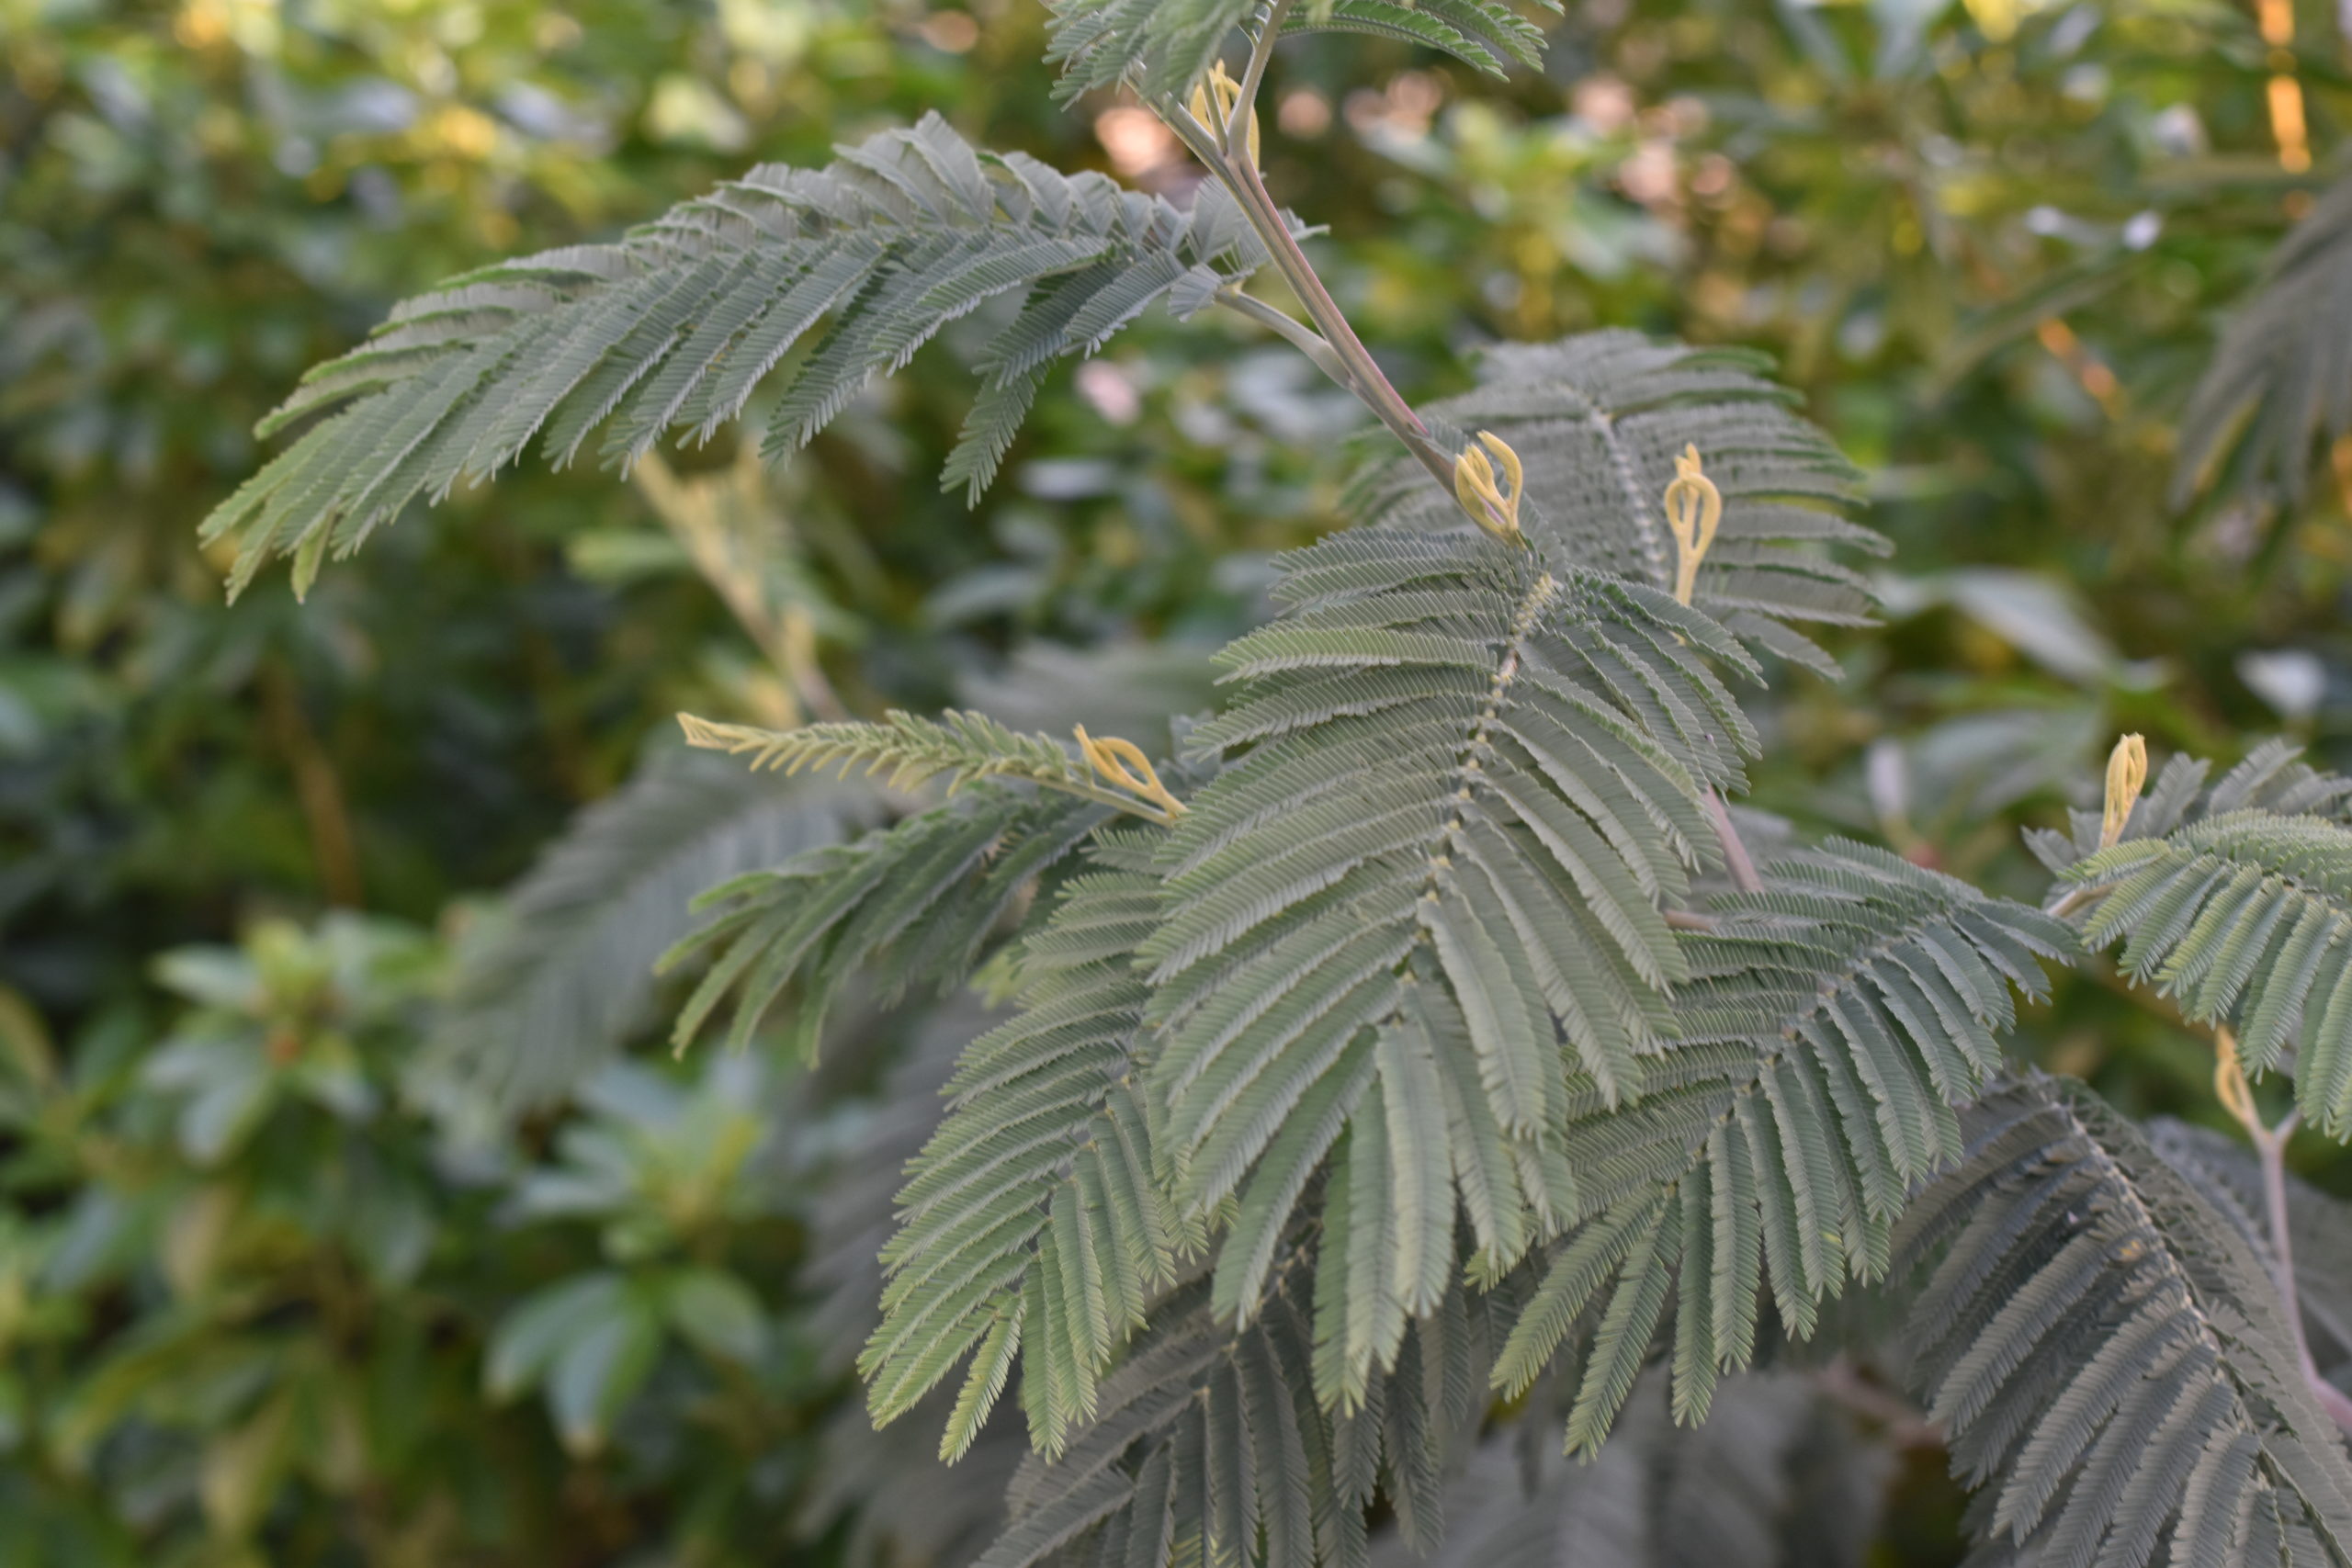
x: 2075, y: 900
x: 1340, y: 355
x: 1305, y: 339
x: 2270, y: 1149
x: 1226, y: 151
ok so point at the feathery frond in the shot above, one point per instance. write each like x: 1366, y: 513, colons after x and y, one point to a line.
x: 1598, y: 419
x: 1468, y: 781
x: 1777, y: 1476
x: 863, y: 1472
x: 1832, y: 1023
x: 2238, y: 905
x: 1032, y: 1229
x: 914, y: 902
x: 2318, y: 1228
x: 1481, y: 34
x: 1209, y: 1447
x: 2280, y: 382
x: 904, y: 749
x: 565, y: 972
x: 908, y: 750
x: 2109, y: 1356
x: 676, y: 326
x: 1162, y: 47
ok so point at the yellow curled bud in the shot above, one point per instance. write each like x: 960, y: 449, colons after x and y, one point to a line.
x: 2127, y: 771
x: 1476, y: 487
x: 1113, y: 760
x: 1213, y: 101
x: 1694, y: 510
x: 2229, y: 1075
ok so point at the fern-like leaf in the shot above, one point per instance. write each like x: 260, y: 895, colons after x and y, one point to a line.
x: 565, y: 972
x: 1032, y: 1229
x: 673, y: 328
x: 1599, y: 419
x: 1777, y: 1475
x: 2237, y: 903
x: 2109, y: 1356
x: 854, y: 1501
x: 1430, y: 887
x: 1209, y: 1447
x: 2319, y: 1229
x: 915, y: 903
x: 1832, y: 1024
x: 2280, y: 382
x: 904, y: 749
x: 1162, y: 47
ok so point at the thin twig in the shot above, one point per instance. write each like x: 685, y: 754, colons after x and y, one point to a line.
x: 318, y: 789
x: 1305, y: 338
x: 1904, y: 1423
x: 1736, y: 859
x: 1225, y: 150
x: 2270, y: 1150
x: 2075, y: 900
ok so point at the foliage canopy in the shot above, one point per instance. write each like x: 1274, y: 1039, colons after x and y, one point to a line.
x: 1411, y: 1055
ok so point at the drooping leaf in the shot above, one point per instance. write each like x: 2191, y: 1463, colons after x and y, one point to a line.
x: 2109, y: 1356
x: 1032, y: 1229
x: 2281, y: 381
x: 1428, y: 889
x: 910, y: 905
x: 676, y: 326
x: 565, y: 974
x: 2237, y: 903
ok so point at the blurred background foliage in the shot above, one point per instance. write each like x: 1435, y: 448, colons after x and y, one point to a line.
x: 292, y: 1271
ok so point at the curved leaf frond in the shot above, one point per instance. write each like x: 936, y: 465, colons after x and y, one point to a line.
x: 566, y: 972
x: 1599, y: 419
x: 904, y: 749
x: 2318, y: 1228
x: 1033, y: 1231
x: 1832, y: 1024
x: 675, y: 327
x: 1433, y: 877
x: 2237, y: 903
x: 1162, y: 47
x: 2109, y: 1356
x: 854, y: 1499
x: 2280, y: 382
x: 1776, y: 1476
x: 914, y: 902
x: 1209, y: 1447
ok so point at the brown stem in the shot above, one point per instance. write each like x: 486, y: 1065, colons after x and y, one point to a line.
x: 1842, y: 1384
x: 1371, y: 383
x: 1736, y: 859
x: 2270, y: 1150
x: 695, y: 513
x: 318, y: 790
x: 2270, y: 1147
x: 1226, y: 150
